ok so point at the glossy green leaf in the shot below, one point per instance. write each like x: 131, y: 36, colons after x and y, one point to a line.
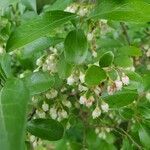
x: 126, y: 10
x: 76, y: 47
x: 120, y: 98
x: 13, y: 104
x: 64, y: 68
x: 94, y: 75
x: 5, y: 65
x: 37, y: 28
x: 123, y: 61
x: 47, y: 129
x: 39, y: 82
x: 144, y: 136
x: 106, y: 59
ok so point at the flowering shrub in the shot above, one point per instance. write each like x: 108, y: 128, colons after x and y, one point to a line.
x: 74, y: 75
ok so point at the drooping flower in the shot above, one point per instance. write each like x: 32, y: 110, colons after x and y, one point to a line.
x: 45, y: 107
x: 96, y: 113
x: 105, y: 107
x: 125, y: 79
x: 118, y: 84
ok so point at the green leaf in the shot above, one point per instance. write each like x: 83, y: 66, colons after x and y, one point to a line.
x: 144, y: 136
x: 5, y: 65
x: 126, y: 10
x: 146, y: 80
x: 123, y: 61
x: 120, y: 98
x: 76, y: 47
x: 106, y: 59
x: 59, y: 5
x: 37, y: 28
x: 126, y: 113
x: 144, y: 110
x: 47, y: 129
x: 13, y: 104
x: 94, y: 75
x: 130, y: 51
x: 39, y: 82
x: 64, y: 68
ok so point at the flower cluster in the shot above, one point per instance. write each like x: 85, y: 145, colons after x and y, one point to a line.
x: 102, y: 132
x: 117, y: 85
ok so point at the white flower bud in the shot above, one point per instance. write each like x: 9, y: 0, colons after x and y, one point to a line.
x: 45, y: 107
x: 105, y: 107
x: 94, y: 54
x: 96, y: 113
x: 70, y: 80
x: 40, y: 114
x: 97, y: 90
x: 67, y: 103
x: 82, y: 77
x: 90, y: 36
x: 32, y: 138
x: 52, y: 94
x: 90, y: 101
x: 39, y: 62
x: 82, y: 100
x: 82, y: 12
x: 102, y: 135
x: 53, y: 113
x: 71, y: 9
x: 21, y: 75
x: 111, y: 90
x: 34, y: 143
x: 82, y: 88
x: 125, y: 80
x: 118, y: 84
x: 64, y: 114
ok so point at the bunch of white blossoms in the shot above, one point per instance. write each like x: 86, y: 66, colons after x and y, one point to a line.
x: 102, y: 132
x: 118, y: 84
x: 97, y: 111
x: 50, y: 63
x: 75, y: 78
x: 58, y: 114
x: 86, y: 101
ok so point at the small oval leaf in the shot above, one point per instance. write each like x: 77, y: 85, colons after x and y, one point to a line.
x: 47, y: 129
x: 121, y: 98
x: 106, y: 59
x: 94, y: 75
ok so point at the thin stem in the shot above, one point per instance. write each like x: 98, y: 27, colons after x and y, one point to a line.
x: 136, y: 144
x: 124, y: 28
